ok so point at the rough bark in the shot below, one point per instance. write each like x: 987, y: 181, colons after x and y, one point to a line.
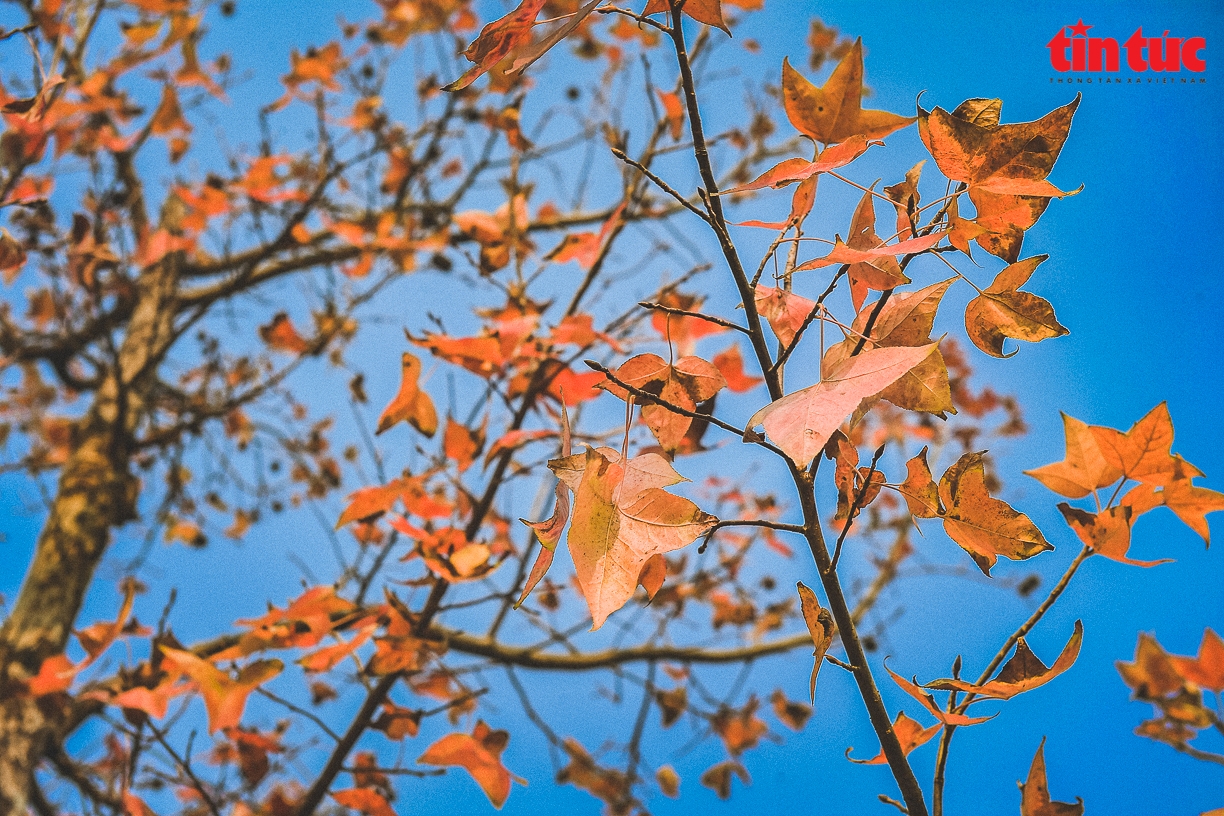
x: 96, y: 494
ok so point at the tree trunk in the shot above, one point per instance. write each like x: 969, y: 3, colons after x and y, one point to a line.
x: 96, y: 493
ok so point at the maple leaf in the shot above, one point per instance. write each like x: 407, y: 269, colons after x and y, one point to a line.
x: 739, y: 729
x: 224, y: 696
x: 785, y: 311
x: 411, y: 404
x: 927, y: 701
x: 155, y: 701
x: 983, y: 526
x: 792, y: 713
x: 731, y: 365
x: 622, y: 517
x: 1143, y: 452
x: 919, y: 490
x: 907, y: 320
x: 55, y: 674
x: 366, y: 800
x: 1207, y: 668
x: 801, y: 423
x: 871, y: 263
x: 1001, y: 311
x: 1004, y: 166
x: 325, y: 659
x: 479, y: 754
x: 1035, y: 792
x: 718, y: 777
x: 280, y: 335
x: 461, y: 443
x: 820, y: 626
x: 1107, y: 532
x: 673, y: 110
x: 496, y: 40
x: 1083, y: 469
x: 703, y: 11
x: 97, y: 638
x: 834, y: 113
x: 1152, y: 674
x: 797, y: 169
x: 910, y: 734
x: 687, y: 382
x: 1023, y: 672
x: 1192, y: 504
x: 584, y: 247
x: 583, y: 772
x: 548, y: 532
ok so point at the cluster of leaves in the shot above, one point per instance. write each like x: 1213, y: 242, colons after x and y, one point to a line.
x: 551, y: 356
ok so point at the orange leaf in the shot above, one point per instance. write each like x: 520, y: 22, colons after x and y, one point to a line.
x: 652, y: 575
x: 739, y: 729
x: 365, y: 800
x: 461, y: 444
x: 1001, y: 311
x: 622, y: 517
x: 785, y: 311
x: 97, y: 638
x: 731, y: 365
x: 1107, y: 532
x: 1083, y: 469
x: 1152, y: 674
x: 718, y: 777
x: 801, y: 423
x: 56, y: 673
x: 1192, y: 504
x: 669, y: 781
x: 479, y: 754
x: 496, y: 40
x: 928, y: 702
x: 910, y: 734
x: 224, y: 696
x: 673, y: 110
x: 691, y: 380
x: 1035, y: 792
x: 1207, y: 669
x: 983, y: 526
x: 834, y: 113
x: 280, y: 335
x: 549, y: 531
x: 820, y: 626
x: 411, y: 404
x: 1022, y: 672
x: 792, y: 713
x: 703, y: 11
x: 919, y: 489
x: 793, y: 170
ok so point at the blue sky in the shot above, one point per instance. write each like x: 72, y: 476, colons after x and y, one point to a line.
x: 1134, y: 274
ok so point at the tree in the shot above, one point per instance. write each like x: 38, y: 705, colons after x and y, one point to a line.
x: 171, y: 375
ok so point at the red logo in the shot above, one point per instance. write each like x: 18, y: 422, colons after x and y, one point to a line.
x: 1073, y: 50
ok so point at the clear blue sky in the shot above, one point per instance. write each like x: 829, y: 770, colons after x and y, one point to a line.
x: 1135, y: 273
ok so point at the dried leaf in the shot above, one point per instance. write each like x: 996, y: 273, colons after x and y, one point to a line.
x: 983, y: 526
x: 622, y: 517
x: 801, y: 423
x: 820, y: 626
x: 411, y: 404
x: 1035, y: 793
x: 834, y: 113
x: 1024, y: 671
